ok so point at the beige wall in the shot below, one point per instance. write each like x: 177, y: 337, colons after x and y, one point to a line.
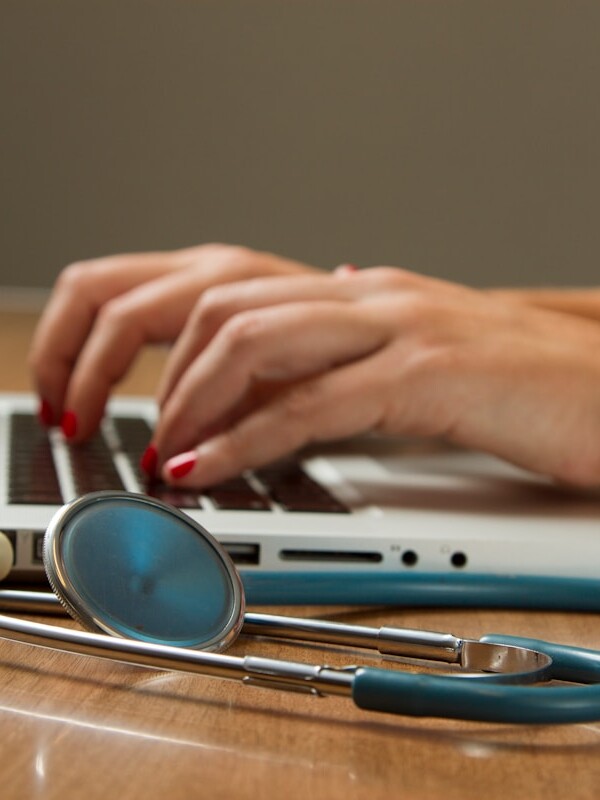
x: 461, y: 138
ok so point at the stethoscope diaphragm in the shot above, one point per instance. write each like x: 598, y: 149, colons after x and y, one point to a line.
x: 130, y: 566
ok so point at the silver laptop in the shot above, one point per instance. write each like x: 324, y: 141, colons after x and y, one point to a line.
x: 370, y: 520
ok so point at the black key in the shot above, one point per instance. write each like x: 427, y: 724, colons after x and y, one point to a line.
x: 93, y: 467
x: 180, y: 498
x: 286, y: 482
x: 294, y: 490
x: 237, y: 494
x: 32, y: 474
x: 134, y: 436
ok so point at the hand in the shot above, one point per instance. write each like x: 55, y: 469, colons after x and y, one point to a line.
x: 103, y: 311
x: 577, y: 302
x: 264, y: 367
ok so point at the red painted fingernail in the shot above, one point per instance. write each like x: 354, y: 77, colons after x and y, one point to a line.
x: 345, y: 269
x: 181, y: 465
x: 68, y: 424
x: 45, y: 413
x: 149, y: 461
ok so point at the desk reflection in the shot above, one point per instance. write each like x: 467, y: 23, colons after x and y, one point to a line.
x: 68, y: 721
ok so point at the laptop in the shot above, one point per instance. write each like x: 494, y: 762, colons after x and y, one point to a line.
x: 370, y: 520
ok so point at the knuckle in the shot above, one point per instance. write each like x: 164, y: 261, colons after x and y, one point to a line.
x: 431, y: 357
x: 211, y: 309
x: 80, y: 279
x: 236, y: 252
x: 114, y: 314
x: 395, y: 277
x: 211, y: 248
x: 391, y: 274
x: 225, y: 254
x: 39, y: 364
x: 302, y: 402
x: 422, y: 314
x: 233, y: 447
x: 242, y: 332
x: 75, y: 277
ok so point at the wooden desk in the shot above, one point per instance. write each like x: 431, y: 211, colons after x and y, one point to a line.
x: 77, y: 727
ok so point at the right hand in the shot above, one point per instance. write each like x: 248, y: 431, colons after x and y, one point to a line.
x: 101, y: 312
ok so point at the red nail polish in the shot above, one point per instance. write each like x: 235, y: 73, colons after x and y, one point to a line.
x: 181, y: 465
x: 149, y: 461
x: 45, y: 413
x: 68, y: 424
x: 345, y: 269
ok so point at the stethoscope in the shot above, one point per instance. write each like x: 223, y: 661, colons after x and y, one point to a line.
x: 154, y: 588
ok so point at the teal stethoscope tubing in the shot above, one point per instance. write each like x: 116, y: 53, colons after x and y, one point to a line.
x: 129, y: 565
x: 457, y: 590
x: 371, y: 689
x: 439, y: 696
x: 574, y: 664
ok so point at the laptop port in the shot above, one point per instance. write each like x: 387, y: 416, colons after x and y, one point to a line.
x: 38, y: 548
x: 409, y: 558
x: 242, y: 553
x: 332, y: 556
x: 458, y: 559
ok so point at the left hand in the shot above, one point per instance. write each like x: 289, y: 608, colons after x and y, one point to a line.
x: 266, y: 366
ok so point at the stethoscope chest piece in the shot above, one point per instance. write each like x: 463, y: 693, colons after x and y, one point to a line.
x: 129, y: 566
x: 164, y: 589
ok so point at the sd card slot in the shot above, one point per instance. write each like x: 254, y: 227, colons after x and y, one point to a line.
x: 332, y: 556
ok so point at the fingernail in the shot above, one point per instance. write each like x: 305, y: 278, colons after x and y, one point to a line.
x: 345, y: 269
x: 68, y: 424
x: 182, y: 464
x: 45, y: 413
x: 149, y: 461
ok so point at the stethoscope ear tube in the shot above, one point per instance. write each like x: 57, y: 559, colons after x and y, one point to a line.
x: 134, y: 567
x: 440, y: 696
x: 372, y: 689
x: 574, y: 664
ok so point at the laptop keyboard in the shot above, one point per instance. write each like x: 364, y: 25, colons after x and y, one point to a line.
x: 32, y: 474
x: 33, y: 477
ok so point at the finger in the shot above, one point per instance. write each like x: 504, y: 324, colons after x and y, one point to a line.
x: 283, y: 343
x: 341, y: 403
x: 218, y: 305
x: 67, y: 320
x: 151, y: 313
x: 345, y: 270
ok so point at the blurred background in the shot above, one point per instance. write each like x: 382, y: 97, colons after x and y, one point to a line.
x: 460, y: 138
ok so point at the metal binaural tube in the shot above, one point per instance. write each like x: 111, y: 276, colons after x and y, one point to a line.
x: 30, y: 602
x: 263, y: 671
x: 387, y: 641
x: 517, y: 664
